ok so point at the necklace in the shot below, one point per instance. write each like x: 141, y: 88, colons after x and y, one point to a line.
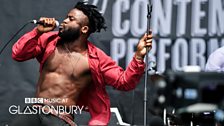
x: 70, y: 54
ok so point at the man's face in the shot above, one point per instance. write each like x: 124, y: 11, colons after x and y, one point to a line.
x: 70, y: 28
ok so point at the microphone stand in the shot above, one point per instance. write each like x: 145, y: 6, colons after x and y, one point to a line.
x: 149, y: 8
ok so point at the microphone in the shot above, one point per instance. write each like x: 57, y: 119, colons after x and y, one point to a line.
x: 41, y: 23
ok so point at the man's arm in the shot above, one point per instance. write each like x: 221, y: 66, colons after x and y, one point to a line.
x: 129, y: 78
x: 31, y: 44
x: 27, y: 46
x: 121, y: 79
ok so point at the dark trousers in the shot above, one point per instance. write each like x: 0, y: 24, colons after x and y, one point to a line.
x: 37, y: 120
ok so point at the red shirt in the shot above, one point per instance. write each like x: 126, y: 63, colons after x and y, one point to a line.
x: 103, y: 69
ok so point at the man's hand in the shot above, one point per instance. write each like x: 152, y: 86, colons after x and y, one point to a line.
x: 145, y: 42
x: 49, y: 24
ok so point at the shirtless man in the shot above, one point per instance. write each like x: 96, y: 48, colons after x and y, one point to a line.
x: 71, y: 67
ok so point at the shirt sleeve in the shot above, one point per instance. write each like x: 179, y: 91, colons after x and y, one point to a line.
x: 27, y: 47
x: 119, y: 78
x: 215, y: 61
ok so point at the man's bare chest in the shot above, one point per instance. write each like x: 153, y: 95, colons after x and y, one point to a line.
x: 68, y: 63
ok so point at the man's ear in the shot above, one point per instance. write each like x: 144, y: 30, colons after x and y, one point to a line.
x: 85, y: 29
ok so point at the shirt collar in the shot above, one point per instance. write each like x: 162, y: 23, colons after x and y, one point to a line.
x: 92, y: 50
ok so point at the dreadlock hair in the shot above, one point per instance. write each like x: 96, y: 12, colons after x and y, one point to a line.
x: 96, y: 20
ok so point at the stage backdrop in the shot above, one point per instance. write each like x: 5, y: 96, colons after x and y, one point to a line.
x: 185, y: 33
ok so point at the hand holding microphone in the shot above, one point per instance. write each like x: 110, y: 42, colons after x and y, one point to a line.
x: 46, y: 24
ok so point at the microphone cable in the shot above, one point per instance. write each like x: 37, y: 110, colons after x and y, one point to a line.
x: 7, y: 43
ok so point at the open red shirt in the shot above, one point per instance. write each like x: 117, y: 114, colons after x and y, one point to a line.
x: 104, y: 71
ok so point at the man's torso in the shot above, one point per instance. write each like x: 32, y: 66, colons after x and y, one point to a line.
x: 64, y: 75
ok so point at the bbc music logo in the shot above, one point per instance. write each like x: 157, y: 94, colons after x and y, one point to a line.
x: 45, y: 100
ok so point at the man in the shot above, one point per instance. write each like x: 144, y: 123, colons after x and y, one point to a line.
x: 72, y: 67
x: 215, y: 61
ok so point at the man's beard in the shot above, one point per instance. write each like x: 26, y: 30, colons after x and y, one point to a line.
x: 69, y: 35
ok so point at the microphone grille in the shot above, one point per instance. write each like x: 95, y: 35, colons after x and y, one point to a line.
x: 34, y: 21
x: 56, y: 23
